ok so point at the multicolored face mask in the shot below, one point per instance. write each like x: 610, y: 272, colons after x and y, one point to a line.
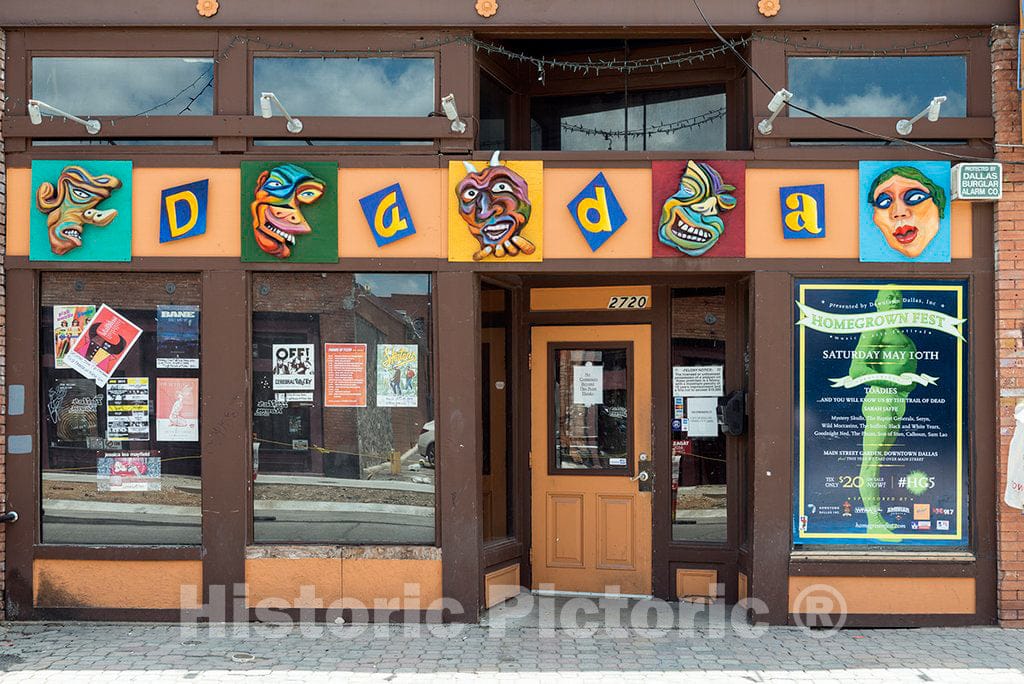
x: 690, y: 219
x: 495, y: 204
x: 276, y: 215
x: 72, y: 203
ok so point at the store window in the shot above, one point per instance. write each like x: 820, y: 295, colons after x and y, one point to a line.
x: 692, y: 118
x: 119, y: 451
x: 497, y: 339
x: 343, y: 434
x: 347, y: 86
x: 125, y: 86
x: 878, y: 86
x: 699, y: 473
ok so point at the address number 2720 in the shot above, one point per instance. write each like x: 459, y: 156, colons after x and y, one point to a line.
x: 628, y: 302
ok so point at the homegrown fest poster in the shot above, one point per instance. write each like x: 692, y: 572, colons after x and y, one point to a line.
x: 880, y: 421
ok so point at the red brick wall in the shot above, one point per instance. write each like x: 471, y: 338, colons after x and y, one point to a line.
x: 3, y: 337
x: 1009, y: 249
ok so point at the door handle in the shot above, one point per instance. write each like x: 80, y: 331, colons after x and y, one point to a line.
x: 9, y: 517
x: 642, y: 476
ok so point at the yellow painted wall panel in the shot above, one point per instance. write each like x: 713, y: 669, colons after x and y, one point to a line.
x: 19, y: 206
x: 222, y: 237
x: 278, y: 582
x: 376, y: 582
x: 424, y: 191
x: 114, y: 584
x: 883, y: 595
x: 562, y: 237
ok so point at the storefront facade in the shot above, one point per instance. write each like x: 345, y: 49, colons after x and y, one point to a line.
x: 374, y: 363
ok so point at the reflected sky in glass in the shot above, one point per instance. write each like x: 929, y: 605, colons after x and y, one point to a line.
x: 878, y: 86
x: 124, y: 86
x: 707, y: 136
x: 387, y: 284
x: 350, y: 86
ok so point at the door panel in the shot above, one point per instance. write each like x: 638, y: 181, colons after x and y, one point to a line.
x: 616, y: 520
x: 590, y: 417
x: 565, y: 530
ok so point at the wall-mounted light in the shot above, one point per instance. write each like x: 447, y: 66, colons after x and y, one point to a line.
x: 905, y: 126
x: 778, y: 101
x: 452, y: 112
x: 92, y: 126
x: 267, y: 100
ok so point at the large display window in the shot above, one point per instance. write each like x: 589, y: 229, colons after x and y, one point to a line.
x: 343, y: 433
x: 120, y: 457
x: 881, y: 413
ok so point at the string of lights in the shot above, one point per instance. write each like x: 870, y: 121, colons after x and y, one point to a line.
x: 543, y: 64
x: 625, y: 66
x: 794, y: 41
x: 682, y: 125
x: 592, y: 64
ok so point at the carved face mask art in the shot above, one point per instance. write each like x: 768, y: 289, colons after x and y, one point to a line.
x: 690, y: 219
x: 71, y: 204
x: 495, y: 204
x: 276, y: 215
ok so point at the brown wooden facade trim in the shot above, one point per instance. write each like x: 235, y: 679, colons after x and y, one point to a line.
x: 459, y: 438
x: 558, y: 15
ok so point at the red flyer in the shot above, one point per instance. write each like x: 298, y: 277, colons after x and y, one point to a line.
x: 102, y: 346
x: 344, y: 375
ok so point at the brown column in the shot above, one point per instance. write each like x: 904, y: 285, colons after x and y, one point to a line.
x: 226, y: 436
x: 772, y: 447
x: 459, y: 440
x: 22, y: 474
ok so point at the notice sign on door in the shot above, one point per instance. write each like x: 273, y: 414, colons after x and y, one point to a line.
x: 697, y: 381
x: 702, y: 414
x: 588, y: 385
x: 344, y: 375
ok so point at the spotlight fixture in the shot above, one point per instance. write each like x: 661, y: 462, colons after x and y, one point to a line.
x: 779, y: 100
x: 452, y: 112
x: 905, y: 126
x: 267, y: 100
x: 92, y: 126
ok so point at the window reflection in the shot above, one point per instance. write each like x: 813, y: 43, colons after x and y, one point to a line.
x: 348, y: 86
x: 878, y: 86
x: 673, y: 119
x: 124, y: 86
x: 343, y: 441
x: 495, y: 106
x: 121, y: 463
x: 699, y: 473
x: 592, y: 403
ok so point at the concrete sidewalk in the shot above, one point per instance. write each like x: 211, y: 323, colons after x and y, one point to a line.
x: 116, y: 652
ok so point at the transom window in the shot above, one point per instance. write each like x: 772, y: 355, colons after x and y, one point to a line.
x: 347, y: 86
x: 125, y: 86
x: 878, y: 86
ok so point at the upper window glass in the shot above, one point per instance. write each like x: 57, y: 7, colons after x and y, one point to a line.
x: 878, y: 86
x: 674, y: 119
x: 349, y: 86
x: 125, y: 86
x: 495, y: 103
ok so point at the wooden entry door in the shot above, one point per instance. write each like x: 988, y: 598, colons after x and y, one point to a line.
x: 591, y: 439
